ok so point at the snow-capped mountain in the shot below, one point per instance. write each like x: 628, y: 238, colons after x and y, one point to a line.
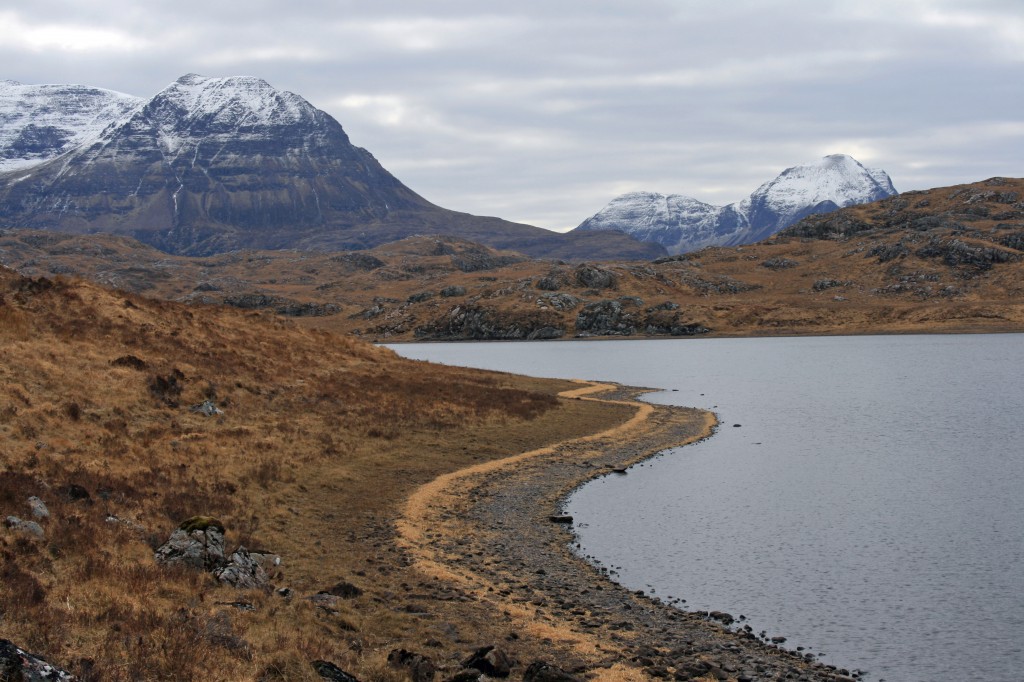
x: 206, y: 165
x: 40, y: 122
x: 682, y: 224
x: 217, y: 164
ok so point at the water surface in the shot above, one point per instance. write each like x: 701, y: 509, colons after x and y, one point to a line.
x: 868, y: 504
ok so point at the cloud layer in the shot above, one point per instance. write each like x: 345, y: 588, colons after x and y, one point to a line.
x: 541, y: 112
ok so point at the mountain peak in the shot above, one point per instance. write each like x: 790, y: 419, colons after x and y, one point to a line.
x: 232, y: 101
x: 835, y: 181
x: 682, y: 224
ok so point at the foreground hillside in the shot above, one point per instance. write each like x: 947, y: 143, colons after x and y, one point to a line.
x: 126, y: 416
x: 944, y: 260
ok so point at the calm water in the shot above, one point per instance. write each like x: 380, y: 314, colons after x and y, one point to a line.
x: 870, y: 506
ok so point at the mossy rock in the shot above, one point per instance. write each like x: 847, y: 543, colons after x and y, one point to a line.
x: 201, y: 523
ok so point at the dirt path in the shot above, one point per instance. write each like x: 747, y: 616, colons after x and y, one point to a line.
x: 486, y: 531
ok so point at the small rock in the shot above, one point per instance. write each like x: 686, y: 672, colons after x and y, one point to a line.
x: 327, y: 602
x: 722, y: 617
x: 75, y: 492
x: 419, y: 667
x: 541, y: 671
x: 30, y: 527
x: 39, y: 510
x: 345, y: 590
x: 560, y: 518
x: 206, y: 408
x: 471, y: 675
x: 329, y: 671
x: 127, y: 523
x: 491, y: 661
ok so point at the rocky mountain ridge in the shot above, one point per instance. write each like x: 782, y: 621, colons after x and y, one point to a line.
x: 216, y: 164
x: 41, y: 122
x: 947, y: 259
x: 683, y: 224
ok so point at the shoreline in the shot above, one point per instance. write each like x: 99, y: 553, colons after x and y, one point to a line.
x: 487, y: 531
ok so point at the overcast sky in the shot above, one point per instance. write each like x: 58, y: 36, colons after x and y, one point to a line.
x: 541, y: 112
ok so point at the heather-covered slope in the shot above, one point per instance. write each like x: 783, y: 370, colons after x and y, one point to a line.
x: 306, y: 448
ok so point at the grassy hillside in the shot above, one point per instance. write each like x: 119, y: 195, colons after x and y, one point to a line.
x: 320, y: 439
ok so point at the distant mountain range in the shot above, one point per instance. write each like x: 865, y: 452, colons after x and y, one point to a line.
x: 682, y: 224
x: 947, y: 259
x: 217, y: 164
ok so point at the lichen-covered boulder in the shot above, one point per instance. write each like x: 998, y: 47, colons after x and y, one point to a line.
x: 197, y: 543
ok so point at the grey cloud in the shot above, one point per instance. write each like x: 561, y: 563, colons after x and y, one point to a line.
x: 542, y: 111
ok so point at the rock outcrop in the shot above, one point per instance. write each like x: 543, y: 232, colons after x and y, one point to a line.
x: 197, y: 543
x: 491, y: 661
x: 484, y: 324
x: 17, y: 665
x: 242, y: 571
x: 623, y: 317
x: 419, y: 667
x: 542, y: 671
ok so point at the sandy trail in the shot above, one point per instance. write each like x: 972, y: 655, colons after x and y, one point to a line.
x: 485, y: 530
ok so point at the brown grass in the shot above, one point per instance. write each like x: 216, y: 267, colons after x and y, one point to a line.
x: 320, y: 440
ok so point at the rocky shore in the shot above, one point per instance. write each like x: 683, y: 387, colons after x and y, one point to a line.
x: 494, y: 531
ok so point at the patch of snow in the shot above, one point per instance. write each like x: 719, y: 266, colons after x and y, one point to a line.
x: 42, y: 122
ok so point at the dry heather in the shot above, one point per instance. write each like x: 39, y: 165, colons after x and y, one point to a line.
x: 320, y: 440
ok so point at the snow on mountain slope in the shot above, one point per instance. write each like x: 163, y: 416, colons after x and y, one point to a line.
x: 233, y: 108
x: 662, y: 219
x: 40, y: 122
x: 834, y: 182
x: 209, y: 164
x: 682, y: 224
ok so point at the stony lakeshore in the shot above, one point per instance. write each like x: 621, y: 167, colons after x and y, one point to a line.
x: 493, y: 534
